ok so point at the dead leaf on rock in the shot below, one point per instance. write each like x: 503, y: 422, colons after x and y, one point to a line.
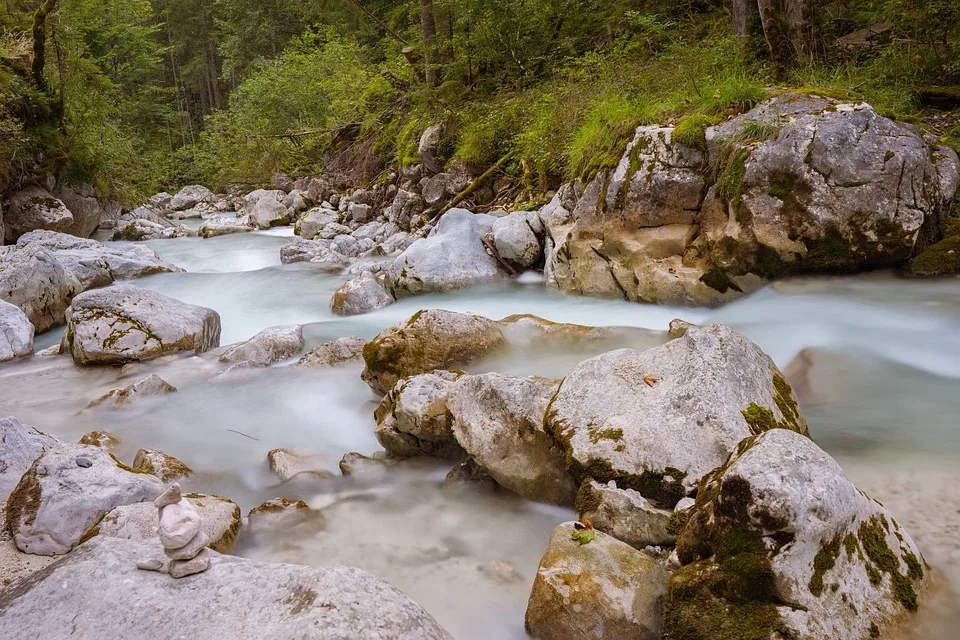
x: 650, y: 379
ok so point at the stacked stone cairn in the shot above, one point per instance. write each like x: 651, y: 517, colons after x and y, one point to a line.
x: 184, y: 544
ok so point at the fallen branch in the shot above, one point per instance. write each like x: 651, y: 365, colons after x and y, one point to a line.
x: 463, y: 195
x: 240, y: 433
x: 488, y: 243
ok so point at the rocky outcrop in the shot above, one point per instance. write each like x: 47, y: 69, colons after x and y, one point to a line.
x: 658, y: 421
x: 33, y: 280
x: 429, y: 340
x: 266, y: 208
x: 412, y: 418
x: 624, y: 514
x: 189, y: 197
x: 221, y: 226
x: 362, y: 294
x: 604, y: 589
x: 35, y: 208
x: 782, y: 544
x: 248, y: 597
x: 451, y: 257
x: 498, y: 420
x: 518, y: 238
x: 799, y: 184
x: 124, y: 323
x: 67, y: 490
x: 16, y: 333
x: 152, y: 385
x: 334, y: 353
x: 313, y: 222
x: 267, y: 347
x: 20, y: 445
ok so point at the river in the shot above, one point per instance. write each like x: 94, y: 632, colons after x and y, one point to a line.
x: 881, y: 393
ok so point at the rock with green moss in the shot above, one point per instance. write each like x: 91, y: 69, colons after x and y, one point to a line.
x: 781, y: 544
x: 603, y: 590
x: 20, y: 446
x: 124, y: 323
x: 658, y: 421
x: 624, y: 514
x: 429, y: 340
x: 67, y: 491
x: 498, y: 420
x: 412, y: 418
x: 940, y: 259
x: 35, y: 208
x: 160, y: 464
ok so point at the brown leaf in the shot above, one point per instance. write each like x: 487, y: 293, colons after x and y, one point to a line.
x: 650, y: 379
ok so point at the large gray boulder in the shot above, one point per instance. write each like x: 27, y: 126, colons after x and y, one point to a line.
x: 16, y: 333
x: 429, y: 340
x: 35, y: 208
x: 84, y: 207
x: 221, y: 226
x: 362, y: 294
x: 780, y: 542
x: 189, y: 197
x: 427, y: 148
x: 451, y: 257
x: 412, y: 420
x: 658, y: 421
x: 517, y: 238
x: 265, y: 208
x: 33, y: 279
x: 235, y: 598
x: 498, y: 420
x: 624, y: 514
x: 20, y: 445
x: 603, y: 590
x: 267, y: 347
x: 313, y: 221
x: 67, y: 490
x: 124, y: 323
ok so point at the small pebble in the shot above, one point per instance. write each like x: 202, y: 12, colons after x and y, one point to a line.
x: 84, y: 462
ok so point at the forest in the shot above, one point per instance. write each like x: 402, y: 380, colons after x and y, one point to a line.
x: 133, y: 96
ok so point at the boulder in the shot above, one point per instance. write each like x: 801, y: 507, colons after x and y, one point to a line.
x: 264, y: 208
x: 281, y: 514
x: 251, y: 600
x: 312, y: 223
x: 359, y: 213
x: 16, y: 333
x: 427, y: 148
x: 267, y: 347
x: 33, y: 280
x: 35, y: 208
x: 141, y: 229
x: 624, y: 514
x: 782, y: 544
x: 67, y: 490
x: 658, y: 421
x: 219, y: 520
x: 362, y: 294
x: 350, y: 246
x: 405, y: 209
x: 517, y: 238
x: 160, y: 464
x: 412, y: 418
x: 152, y: 385
x: 221, y: 226
x: 498, y: 420
x: 604, y: 590
x: 451, y: 257
x: 189, y: 197
x: 103, y: 439
x: 287, y: 465
x: 334, y: 353
x: 124, y: 323
x: 84, y: 207
x: 429, y: 340
x: 301, y: 250
x: 20, y: 445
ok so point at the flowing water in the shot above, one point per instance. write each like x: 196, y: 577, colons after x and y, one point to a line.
x: 875, y: 359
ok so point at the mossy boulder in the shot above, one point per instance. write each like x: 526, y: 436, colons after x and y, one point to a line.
x: 603, y: 590
x: 940, y: 259
x: 124, y: 323
x: 412, y: 419
x: 160, y: 464
x: 658, y: 421
x: 67, y: 491
x: 35, y: 208
x: 429, y: 340
x: 20, y: 445
x: 624, y: 514
x: 498, y: 420
x: 781, y: 544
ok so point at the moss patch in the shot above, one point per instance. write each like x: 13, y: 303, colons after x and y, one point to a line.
x: 940, y: 259
x: 691, y: 130
x: 588, y: 499
x: 24, y: 501
x: 873, y: 540
x: 718, y: 280
x: 825, y: 560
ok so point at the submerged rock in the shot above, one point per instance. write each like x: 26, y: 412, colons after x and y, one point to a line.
x: 160, y: 464
x: 362, y: 294
x: 248, y: 597
x: 429, y: 340
x: 67, y: 490
x: 16, y: 333
x: 498, y: 420
x: 287, y: 465
x: 267, y: 347
x: 152, y: 385
x: 337, y: 352
x: 412, y: 418
x: 782, y: 544
x: 658, y: 421
x: 124, y: 323
x: 451, y: 257
x: 221, y: 226
x: 280, y: 514
x: 605, y: 590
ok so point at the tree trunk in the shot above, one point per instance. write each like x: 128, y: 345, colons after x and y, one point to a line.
x: 786, y: 27
x: 40, y: 41
x: 742, y: 12
x: 428, y: 29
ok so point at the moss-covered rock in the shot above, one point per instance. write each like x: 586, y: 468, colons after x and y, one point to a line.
x: 940, y: 259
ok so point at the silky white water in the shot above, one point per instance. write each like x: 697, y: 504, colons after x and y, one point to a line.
x: 881, y: 392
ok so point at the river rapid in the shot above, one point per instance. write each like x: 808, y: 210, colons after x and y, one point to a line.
x: 875, y: 360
